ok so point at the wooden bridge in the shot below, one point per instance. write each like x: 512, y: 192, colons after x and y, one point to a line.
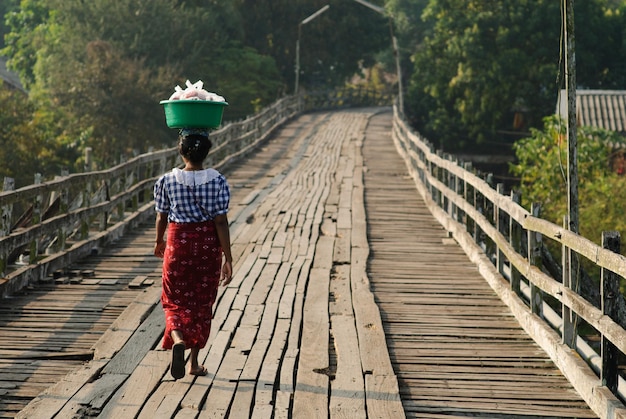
x: 358, y: 293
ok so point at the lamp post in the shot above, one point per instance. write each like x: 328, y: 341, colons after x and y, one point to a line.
x: 396, y: 51
x: 304, y: 22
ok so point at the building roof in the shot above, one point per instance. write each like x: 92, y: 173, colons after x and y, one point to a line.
x: 598, y: 108
x: 9, y: 77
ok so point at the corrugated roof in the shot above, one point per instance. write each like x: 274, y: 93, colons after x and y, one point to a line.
x: 602, y: 108
x: 9, y: 77
x: 598, y: 108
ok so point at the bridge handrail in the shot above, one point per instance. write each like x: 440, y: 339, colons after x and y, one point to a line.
x: 504, y: 239
x: 76, y: 214
x: 56, y: 222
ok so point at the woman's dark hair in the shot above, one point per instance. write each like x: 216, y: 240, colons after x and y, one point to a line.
x: 194, y: 147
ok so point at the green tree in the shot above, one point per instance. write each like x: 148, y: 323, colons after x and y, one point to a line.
x: 484, y: 61
x: 333, y: 47
x: 24, y: 35
x: 481, y: 62
x: 601, y: 44
x: 6, y: 7
x: 30, y: 141
x: 542, y: 168
x: 252, y: 79
x: 102, y: 67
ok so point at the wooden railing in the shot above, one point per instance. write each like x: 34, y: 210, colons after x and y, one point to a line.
x: 47, y: 226
x: 346, y: 98
x: 506, y: 242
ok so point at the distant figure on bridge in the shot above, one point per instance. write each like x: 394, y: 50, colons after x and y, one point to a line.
x: 192, y: 206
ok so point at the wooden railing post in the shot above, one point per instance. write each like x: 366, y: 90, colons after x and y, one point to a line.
x: 470, y: 222
x: 439, y: 176
x: 5, y: 227
x: 568, y: 333
x: 36, y: 219
x: 460, y: 190
x: 515, y: 239
x: 145, y: 173
x: 104, y: 216
x: 88, y: 159
x: 448, y: 180
x: 131, y: 179
x: 63, y: 208
x: 535, y: 241
x: 37, y: 205
x: 498, y: 223
x: 87, y: 193
x: 610, y: 291
x: 488, y: 210
x: 7, y: 210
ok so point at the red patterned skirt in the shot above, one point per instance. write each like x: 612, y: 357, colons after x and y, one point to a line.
x: 191, y: 274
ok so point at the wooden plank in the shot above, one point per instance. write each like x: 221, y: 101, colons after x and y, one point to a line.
x: 138, y: 281
x: 311, y: 393
x: 94, y: 394
x: 383, y: 397
x: 252, y: 315
x: 243, y: 400
x: 266, y: 382
x: 142, y: 341
x: 194, y: 398
x: 128, y: 401
x: 53, y: 399
x: 264, y: 283
x: 125, y: 325
x: 342, y: 248
x: 347, y: 394
x: 255, y: 360
x: 250, y: 279
x: 164, y: 401
x: 219, y: 398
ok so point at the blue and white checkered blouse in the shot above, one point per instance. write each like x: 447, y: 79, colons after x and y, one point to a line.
x: 192, y: 196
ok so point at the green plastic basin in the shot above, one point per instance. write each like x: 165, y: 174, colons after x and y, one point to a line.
x: 193, y: 113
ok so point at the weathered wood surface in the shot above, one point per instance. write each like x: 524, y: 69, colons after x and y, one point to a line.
x: 289, y: 332
x: 457, y: 349
x: 51, y: 329
x: 298, y: 332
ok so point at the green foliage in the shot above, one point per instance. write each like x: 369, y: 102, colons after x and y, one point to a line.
x: 6, y: 6
x: 481, y: 62
x: 102, y: 67
x: 542, y: 168
x: 601, y: 44
x: 333, y: 46
x: 29, y: 140
x: 25, y: 29
x: 247, y: 77
x: 96, y: 70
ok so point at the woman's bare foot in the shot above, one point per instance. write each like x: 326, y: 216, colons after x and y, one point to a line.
x: 199, y: 370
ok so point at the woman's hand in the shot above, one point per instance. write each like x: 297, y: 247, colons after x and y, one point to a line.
x: 159, y: 249
x: 161, y: 226
x: 227, y: 273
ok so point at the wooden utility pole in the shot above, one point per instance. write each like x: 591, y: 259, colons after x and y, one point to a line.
x: 572, y: 165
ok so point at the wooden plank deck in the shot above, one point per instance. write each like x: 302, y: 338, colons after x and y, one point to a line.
x: 298, y: 333
x: 456, y: 347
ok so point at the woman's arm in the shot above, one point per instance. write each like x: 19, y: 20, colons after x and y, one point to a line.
x: 223, y: 234
x: 161, y: 226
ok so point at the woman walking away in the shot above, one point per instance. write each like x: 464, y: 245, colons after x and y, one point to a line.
x: 192, y: 205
